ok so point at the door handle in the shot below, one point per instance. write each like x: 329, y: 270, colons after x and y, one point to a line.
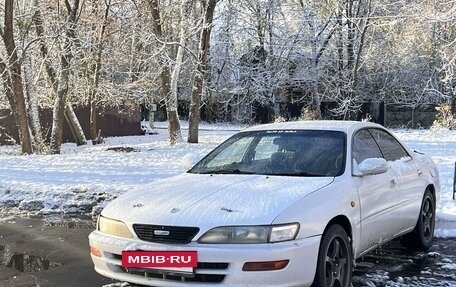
x: 420, y: 172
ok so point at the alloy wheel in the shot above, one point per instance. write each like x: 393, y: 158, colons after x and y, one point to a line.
x: 427, y: 219
x: 336, y: 263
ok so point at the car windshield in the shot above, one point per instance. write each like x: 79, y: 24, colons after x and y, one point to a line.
x: 278, y: 152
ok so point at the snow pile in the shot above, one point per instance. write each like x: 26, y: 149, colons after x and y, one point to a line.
x: 445, y: 233
x: 449, y: 266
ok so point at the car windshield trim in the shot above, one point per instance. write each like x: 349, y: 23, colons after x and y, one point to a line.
x: 227, y: 171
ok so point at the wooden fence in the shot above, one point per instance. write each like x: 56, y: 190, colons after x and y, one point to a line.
x: 119, y: 121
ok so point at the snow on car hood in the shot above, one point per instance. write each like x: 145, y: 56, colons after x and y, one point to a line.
x: 207, y: 201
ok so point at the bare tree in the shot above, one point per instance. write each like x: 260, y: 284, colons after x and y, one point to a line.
x: 240, y: 59
x: 320, y: 33
x: 353, y: 18
x: 93, y: 93
x: 174, y: 130
x: 62, y: 89
x: 70, y: 116
x: 184, y: 11
x: 201, y: 70
x: 18, y: 104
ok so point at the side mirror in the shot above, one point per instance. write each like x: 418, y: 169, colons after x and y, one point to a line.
x: 370, y: 166
x: 189, y: 160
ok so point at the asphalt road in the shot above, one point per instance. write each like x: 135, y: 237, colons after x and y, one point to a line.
x: 59, y: 245
x: 54, y: 252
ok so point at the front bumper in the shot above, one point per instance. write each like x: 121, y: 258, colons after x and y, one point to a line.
x: 218, y: 264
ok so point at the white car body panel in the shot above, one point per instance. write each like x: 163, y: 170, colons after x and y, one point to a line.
x: 380, y: 208
x: 299, y: 274
x: 208, y: 201
x: 373, y: 210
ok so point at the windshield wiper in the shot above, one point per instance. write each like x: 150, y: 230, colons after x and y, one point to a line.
x: 300, y: 173
x: 227, y: 171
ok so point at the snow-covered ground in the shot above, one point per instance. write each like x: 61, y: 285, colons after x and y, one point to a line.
x: 85, y: 178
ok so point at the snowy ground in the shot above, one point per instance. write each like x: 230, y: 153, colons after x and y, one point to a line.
x: 83, y: 179
x: 87, y: 177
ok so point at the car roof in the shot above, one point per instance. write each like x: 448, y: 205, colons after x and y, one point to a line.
x: 330, y: 125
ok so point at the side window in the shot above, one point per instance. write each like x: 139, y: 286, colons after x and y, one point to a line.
x: 364, y: 146
x: 392, y: 150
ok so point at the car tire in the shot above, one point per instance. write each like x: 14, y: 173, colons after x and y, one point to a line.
x: 335, y: 259
x: 423, y: 234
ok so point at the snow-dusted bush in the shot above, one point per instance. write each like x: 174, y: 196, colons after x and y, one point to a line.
x: 280, y: 119
x: 367, y: 118
x: 444, y: 118
x: 307, y: 114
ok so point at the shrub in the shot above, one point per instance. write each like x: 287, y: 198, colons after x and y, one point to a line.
x: 307, y: 114
x: 444, y: 118
x: 280, y: 119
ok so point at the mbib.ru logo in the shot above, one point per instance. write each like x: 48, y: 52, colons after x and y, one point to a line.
x: 159, y: 259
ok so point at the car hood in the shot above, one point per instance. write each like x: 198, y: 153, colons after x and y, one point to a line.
x: 207, y: 201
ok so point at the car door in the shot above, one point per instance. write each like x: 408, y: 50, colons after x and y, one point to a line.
x: 410, y: 183
x: 377, y: 195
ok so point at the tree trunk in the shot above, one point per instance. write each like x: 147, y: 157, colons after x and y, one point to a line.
x: 6, y: 79
x: 351, y: 30
x: 178, y: 63
x: 16, y: 79
x: 62, y: 89
x: 340, y: 49
x: 174, y: 131
x: 314, y: 73
x: 151, y: 117
x: 58, y: 112
x: 7, y: 86
x: 361, y: 42
x: 75, y: 127
x: 33, y: 111
x: 93, y: 95
x: 197, y: 91
x: 318, y: 44
x: 453, y: 105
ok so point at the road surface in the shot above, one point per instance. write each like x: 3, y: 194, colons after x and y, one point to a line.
x: 54, y: 252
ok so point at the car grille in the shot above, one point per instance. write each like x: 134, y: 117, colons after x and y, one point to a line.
x: 206, y: 278
x: 165, y: 234
x: 200, y: 276
x: 206, y: 272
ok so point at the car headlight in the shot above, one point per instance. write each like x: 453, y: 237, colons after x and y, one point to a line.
x: 286, y: 232
x: 113, y: 227
x: 250, y: 234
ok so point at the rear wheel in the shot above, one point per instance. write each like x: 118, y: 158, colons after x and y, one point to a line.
x: 334, y: 263
x: 423, y: 234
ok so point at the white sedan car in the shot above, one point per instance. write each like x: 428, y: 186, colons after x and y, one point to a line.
x: 287, y: 204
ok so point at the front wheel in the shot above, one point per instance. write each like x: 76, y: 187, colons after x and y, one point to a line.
x: 423, y: 234
x: 334, y: 263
